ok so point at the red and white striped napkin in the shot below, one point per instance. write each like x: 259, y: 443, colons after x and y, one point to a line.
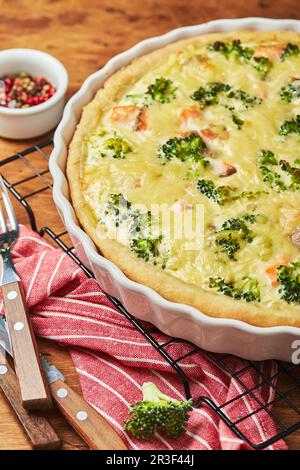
x: 113, y: 359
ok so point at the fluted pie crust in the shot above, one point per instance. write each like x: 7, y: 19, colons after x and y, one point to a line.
x: 170, y: 287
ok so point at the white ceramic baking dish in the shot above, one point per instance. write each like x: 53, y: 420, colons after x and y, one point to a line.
x: 217, y: 335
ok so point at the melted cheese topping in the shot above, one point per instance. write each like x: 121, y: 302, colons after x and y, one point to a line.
x: 143, y: 178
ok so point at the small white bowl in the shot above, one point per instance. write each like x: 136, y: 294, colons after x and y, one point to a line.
x: 37, y: 120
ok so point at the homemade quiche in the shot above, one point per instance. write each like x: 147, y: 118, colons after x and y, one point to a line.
x: 207, y: 129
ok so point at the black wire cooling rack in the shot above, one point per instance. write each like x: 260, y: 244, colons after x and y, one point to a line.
x: 32, y: 189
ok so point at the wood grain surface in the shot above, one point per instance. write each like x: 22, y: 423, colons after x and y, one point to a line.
x: 40, y: 433
x: 84, y: 35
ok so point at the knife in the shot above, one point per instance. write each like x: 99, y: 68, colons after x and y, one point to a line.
x: 87, y: 422
x: 33, y: 386
x: 38, y: 430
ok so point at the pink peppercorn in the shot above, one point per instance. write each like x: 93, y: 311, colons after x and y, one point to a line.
x: 23, y: 90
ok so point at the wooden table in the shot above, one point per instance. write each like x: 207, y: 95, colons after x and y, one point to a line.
x: 84, y: 35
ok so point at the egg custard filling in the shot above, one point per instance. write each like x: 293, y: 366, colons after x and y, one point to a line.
x: 207, y: 131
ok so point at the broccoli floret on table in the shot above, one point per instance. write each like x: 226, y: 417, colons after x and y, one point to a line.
x: 159, y: 412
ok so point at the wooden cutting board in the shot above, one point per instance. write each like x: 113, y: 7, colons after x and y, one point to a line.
x: 84, y: 35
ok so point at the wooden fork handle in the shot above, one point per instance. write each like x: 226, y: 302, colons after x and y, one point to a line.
x: 87, y: 422
x: 34, y: 389
x: 35, y: 425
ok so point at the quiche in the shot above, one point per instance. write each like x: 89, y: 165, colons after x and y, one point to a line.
x: 185, y: 172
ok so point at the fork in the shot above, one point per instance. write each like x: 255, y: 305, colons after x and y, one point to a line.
x: 33, y: 384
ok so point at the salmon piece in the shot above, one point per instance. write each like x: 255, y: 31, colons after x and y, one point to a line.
x: 180, y: 206
x: 209, y: 133
x: 188, y: 118
x: 137, y: 182
x: 222, y: 168
x: 142, y: 121
x: 295, y: 237
x: 202, y: 59
x: 263, y: 91
x: 205, y: 63
x: 289, y: 220
x: 272, y: 51
x: 271, y: 271
x: 126, y: 115
x: 131, y: 117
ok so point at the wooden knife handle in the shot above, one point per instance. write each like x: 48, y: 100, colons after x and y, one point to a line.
x: 87, y: 422
x: 35, y: 425
x: 33, y: 384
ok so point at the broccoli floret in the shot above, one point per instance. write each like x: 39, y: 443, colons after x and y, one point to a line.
x: 250, y: 218
x: 117, y: 206
x: 291, y: 91
x: 244, y: 54
x: 266, y: 158
x: 118, y: 146
x: 209, y: 95
x: 191, y: 147
x: 289, y: 278
x: 228, y: 245
x: 223, y: 194
x: 146, y: 248
x: 289, y: 51
x: 273, y: 179
x: 118, y: 200
x: 162, y: 90
x: 245, y: 98
x: 290, y: 127
x: 222, y: 47
x: 294, y: 173
x: 108, y: 144
x: 232, y: 48
x: 138, y: 226
x: 218, y: 194
x: 159, y: 412
x: 232, y: 232
x: 240, y: 225
x: 226, y: 288
x: 237, y: 121
x: 247, y: 289
x: 141, y: 223
x: 251, y: 195
x: 262, y: 65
